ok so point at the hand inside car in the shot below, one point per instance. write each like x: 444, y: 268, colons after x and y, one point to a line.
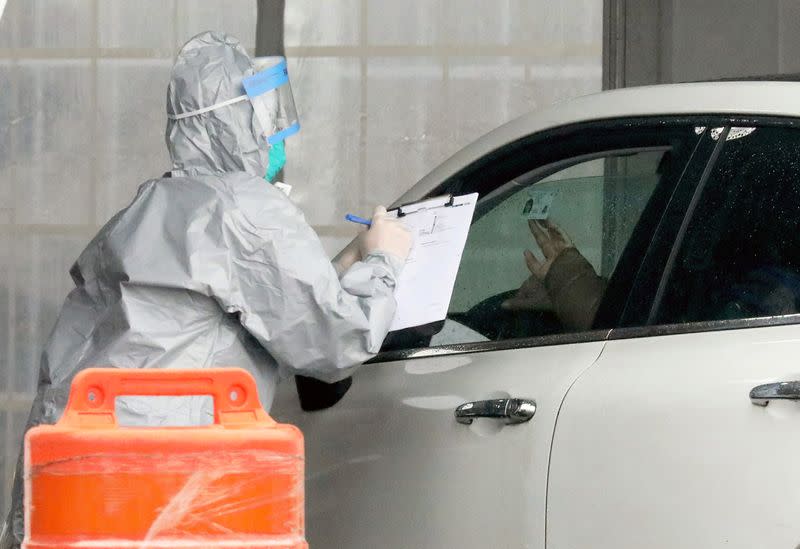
x: 552, y: 240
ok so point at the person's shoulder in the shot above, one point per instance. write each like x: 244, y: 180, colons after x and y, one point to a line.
x: 164, y: 201
x: 239, y: 198
x: 242, y: 186
x: 262, y: 205
x: 200, y: 187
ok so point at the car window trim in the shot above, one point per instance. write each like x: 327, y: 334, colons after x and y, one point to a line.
x: 536, y: 175
x: 687, y: 218
x: 637, y: 308
x: 614, y: 334
x: 697, y: 155
x: 657, y: 330
x: 507, y: 150
x: 486, y: 346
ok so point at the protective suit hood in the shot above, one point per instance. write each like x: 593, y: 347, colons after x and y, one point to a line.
x: 209, y: 69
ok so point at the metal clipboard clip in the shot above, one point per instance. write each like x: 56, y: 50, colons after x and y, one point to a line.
x: 443, y: 201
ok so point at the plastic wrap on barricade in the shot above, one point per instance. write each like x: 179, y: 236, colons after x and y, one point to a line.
x: 237, y: 483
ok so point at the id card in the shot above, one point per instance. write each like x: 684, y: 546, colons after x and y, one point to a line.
x: 538, y: 205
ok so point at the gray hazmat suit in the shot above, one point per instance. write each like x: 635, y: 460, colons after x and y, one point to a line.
x: 212, y: 266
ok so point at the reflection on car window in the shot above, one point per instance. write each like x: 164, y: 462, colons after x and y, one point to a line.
x: 542, y: 249
x: 740, y: 257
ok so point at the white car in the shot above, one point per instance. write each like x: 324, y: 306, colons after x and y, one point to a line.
x: 646, y: 428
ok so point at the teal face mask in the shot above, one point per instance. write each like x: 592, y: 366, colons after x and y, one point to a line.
x: 277, y: 159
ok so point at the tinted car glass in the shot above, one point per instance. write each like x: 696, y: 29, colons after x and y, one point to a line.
x: 740, y: 256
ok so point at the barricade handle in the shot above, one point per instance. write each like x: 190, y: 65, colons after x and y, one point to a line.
x: 94, y: 391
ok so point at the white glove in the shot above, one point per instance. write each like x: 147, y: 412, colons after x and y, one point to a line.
x: 385, y: 235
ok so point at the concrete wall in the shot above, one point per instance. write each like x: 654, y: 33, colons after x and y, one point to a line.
x: 662, y: 41
x: 386, y: 90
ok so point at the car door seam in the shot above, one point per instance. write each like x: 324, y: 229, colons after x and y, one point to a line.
x: 555, y: 427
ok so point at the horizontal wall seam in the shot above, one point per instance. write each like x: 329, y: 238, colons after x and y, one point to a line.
x: 475, y: 50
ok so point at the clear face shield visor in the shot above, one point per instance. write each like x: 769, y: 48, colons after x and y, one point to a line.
x: 270, y: 95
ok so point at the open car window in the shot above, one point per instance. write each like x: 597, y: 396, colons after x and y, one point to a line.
x: 593, y: 199
x: 592, y: 207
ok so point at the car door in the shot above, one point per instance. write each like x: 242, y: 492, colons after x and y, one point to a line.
x: 389, y: 465
x: 666, y: 440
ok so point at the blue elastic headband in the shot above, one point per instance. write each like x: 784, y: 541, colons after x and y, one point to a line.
x: 283, y: 134
x: 266, y: 80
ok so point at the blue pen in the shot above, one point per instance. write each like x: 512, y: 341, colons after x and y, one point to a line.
x: 356, y: 219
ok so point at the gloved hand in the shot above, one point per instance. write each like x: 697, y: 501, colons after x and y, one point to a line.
x: 386, y: 235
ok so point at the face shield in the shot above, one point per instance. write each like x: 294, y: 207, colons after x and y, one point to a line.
x: 270, y: 94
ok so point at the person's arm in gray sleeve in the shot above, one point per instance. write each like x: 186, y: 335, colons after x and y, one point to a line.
x: 347, y: 257
x: 291, y: 299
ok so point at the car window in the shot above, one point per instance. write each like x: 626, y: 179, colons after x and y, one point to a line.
x: 739, y: 256
x: 606, y: 186
x: 584, y: 212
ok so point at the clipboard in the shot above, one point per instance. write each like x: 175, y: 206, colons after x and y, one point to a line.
x: 440, y: 227
x: 444, y: 200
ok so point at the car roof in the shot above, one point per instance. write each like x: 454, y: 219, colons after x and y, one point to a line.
x: 743, y: 96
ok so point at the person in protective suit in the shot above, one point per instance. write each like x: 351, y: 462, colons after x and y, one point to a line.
x: 214, y: 266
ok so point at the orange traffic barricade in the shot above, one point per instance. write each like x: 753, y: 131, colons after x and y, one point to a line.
x: 237, y: 483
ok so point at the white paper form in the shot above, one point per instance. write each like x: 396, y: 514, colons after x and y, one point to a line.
x: 440, y: 228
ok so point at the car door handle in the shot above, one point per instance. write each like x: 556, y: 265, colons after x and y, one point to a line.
x: 783, y: 390
x: 512, y: 410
